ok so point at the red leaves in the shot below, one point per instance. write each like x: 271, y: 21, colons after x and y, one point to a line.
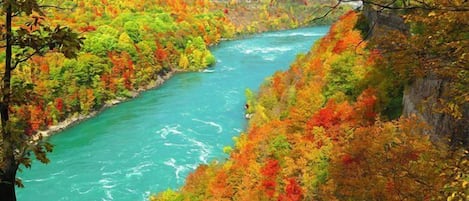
x: 270, y: 168
x: 390, y: 186
x: 270, y: 171
x: 331, y: 115
x: 293, y: 191
x: 269, y: 187
x: 347, y: 159
x: 59, y: 104
x: 339, y: 47
x: 161, y: 54
x: 325, y: 117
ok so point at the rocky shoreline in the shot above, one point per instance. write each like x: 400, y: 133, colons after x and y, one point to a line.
x: 76, y: 119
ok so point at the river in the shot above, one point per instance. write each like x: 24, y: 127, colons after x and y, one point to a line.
x: 153, y: 142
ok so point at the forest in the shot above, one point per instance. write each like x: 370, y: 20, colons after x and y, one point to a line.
x: 377, y: 110
x: 334, y: 126
x: 63, y: 61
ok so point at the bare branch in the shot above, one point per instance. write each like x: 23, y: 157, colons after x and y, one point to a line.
x: 331, y: 8
x: 424, y: 6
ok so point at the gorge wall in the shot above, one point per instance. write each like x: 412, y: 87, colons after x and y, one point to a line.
x: 425, y: 97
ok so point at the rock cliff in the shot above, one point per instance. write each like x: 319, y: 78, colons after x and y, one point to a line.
x: 424, y: 97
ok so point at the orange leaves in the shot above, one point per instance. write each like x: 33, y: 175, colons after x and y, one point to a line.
x: 219, y: 187
x: 365, y: 105
x: 178, y: 6
x: 385, y: 159
x: 87, y: 28
x: 122, y: 67
x: 278, y: 85
x: 36, y: 118
x: 351, y: 40
x: 347, y: 21
x: 161, y: 54
x: 196, y: 178
x: 375, y: 55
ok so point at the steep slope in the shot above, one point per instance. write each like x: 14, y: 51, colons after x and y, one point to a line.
x: 319, y: 131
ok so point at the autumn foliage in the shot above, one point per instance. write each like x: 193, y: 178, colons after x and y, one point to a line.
x: 319, y: 131
x: 129, y: 46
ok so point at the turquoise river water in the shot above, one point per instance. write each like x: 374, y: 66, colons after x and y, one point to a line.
x: 153, y: 142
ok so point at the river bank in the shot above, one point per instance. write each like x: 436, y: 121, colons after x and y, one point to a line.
x: 77, y: 118
x: 105, y: 73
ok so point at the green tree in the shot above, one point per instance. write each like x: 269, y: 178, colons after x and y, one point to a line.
x: 21, y: 43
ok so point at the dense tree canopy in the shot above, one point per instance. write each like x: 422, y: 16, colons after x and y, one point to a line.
x: 52, y: 73
x: 329, y: 128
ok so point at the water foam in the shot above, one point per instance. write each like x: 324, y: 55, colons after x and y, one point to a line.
x: 265, y: 50
x: 280, y: 35
x: 80, y: 189
x: 204, y: 149
x: 169, y: 130
x: 178, y: 168
x: 211, y: 123
x: 139, y: 169
x: 269, y: 58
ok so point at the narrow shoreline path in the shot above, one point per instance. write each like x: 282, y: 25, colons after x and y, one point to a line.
x: 153, y: 142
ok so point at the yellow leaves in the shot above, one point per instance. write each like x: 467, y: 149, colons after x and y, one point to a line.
x: 124, y: 38
x: 465, y: 184
x: 183, y: 61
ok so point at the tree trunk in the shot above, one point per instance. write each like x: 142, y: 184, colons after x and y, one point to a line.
x: 7, y: 184
x: 9, y: 165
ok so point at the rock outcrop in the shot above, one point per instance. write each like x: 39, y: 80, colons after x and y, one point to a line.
x: 424, y: 97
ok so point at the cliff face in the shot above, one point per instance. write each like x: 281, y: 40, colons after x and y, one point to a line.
x: 424, y: 97
x: 384, y: 19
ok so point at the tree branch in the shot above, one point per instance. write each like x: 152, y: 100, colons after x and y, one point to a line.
x: 424, y: 6
x: 17, y: 62
x: 57, y: 7
x: 329, y: 11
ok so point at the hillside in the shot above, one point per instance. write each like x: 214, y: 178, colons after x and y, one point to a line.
x: 330, y: 128
x: 129, y: 47
x: 64, y: 61
x: 377, y: 110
